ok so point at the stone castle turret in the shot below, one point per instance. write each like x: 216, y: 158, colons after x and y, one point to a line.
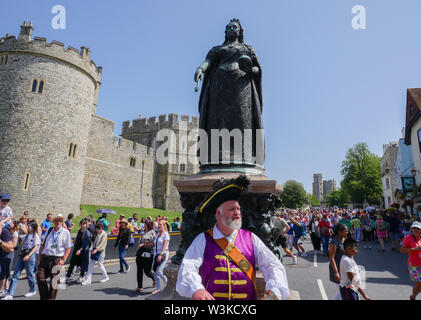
x: 48, y: 94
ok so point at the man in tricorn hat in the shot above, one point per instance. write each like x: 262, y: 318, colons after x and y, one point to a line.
x: 221, y: 263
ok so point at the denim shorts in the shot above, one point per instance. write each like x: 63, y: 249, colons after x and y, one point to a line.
x: 394, y: 235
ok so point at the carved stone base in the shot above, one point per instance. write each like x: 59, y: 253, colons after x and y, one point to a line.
x: 257, y: 207
x: 169, y: 293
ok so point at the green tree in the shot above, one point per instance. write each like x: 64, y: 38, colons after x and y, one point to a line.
x: 312, y: 200
x: 362, y: 175
x: 337, y: 198
x: 294, y: 195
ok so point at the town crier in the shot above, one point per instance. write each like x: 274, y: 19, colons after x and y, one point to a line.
x: 220, y: 264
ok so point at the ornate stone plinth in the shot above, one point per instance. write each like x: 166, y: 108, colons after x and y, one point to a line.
x: 169, y: 293
x: 257, y: 207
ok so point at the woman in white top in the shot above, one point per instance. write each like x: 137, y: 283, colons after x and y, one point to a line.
x: 161, y: 254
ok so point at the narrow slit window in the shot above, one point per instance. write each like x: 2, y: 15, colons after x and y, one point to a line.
x: 41, y: 87
x: 182, y: 167
x: 1, y: 60
x: 34, y: 86
x: 26, y: 184
x: 5, y: 59
x: 74, y: 151
x: 71, y: 150
x: 133, y: 162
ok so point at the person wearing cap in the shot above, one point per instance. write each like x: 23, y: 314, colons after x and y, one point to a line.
x: 220, y: 263
x: 412, y: 245
x: 6, y: 213
x: 54, y: 252
x: 123, y: 241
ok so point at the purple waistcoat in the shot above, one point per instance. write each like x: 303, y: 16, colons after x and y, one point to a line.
x: 214, y: 271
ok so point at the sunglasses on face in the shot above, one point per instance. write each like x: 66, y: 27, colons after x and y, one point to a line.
x: 5, y: 201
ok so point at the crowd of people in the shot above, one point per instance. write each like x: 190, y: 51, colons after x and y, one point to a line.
x: 43, y: 249
x: 338, y: 233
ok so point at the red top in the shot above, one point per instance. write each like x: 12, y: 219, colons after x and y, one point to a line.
x: 414, y: 256
x: 326, y: 225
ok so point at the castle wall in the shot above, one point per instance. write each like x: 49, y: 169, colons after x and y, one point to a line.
x: 144, y: 131
x: 109, y: 179
x: 38, y: 128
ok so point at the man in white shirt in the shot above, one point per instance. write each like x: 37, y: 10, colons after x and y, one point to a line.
x: 6, y: 212
x: 208, y: 272
x: 53, y: 254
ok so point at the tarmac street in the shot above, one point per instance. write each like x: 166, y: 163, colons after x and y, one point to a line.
x: 386, y: 278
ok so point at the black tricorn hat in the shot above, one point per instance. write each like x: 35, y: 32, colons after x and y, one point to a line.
x: 225, y: 190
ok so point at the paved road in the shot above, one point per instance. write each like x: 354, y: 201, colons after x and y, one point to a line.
x: 386, y: 274
x: 386, y: 279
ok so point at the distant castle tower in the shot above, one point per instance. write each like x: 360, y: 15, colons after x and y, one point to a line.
x: 318, y: 186
x: 48, y: 94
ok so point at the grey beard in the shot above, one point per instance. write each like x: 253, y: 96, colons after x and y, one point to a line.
x: 235, y: 225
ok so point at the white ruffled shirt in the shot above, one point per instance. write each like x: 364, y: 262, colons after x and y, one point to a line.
x: 189, y: 279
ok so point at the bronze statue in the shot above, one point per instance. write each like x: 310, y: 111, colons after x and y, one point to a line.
x: 231, y: 96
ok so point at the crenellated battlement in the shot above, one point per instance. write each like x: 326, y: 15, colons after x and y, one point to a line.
x: 152, y: 124
x: 39, y: 46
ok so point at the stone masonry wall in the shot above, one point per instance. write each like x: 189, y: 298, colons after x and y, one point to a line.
x: 109, y: 179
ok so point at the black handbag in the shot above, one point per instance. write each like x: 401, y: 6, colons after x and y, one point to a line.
x: 24, y: 252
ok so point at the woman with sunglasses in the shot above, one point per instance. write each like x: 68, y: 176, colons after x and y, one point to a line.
x: 412, y: 245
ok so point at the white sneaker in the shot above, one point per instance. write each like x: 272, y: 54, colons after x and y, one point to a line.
x: 104, y: 280
x: 128, y: 269
x: 3, y: 293
x: 86, y: 282
x: 30, y: 294
x: 8, y: 298
x: 295, y: 260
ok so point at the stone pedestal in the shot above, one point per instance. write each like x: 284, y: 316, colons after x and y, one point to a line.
x: 169, y: 293
x: 258, y: 208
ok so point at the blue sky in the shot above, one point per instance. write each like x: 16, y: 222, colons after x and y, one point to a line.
x: 326, y: 86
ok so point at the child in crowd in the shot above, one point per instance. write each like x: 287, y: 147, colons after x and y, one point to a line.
x: 350, y: 274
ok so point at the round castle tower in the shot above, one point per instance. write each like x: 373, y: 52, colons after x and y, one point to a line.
x: 48, y: 94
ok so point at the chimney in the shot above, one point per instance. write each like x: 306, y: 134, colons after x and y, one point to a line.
x: 26, y: 32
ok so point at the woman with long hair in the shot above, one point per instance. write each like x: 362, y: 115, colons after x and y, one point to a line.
x: 161, y: 255
x: 381, y: 230
x: 80, y: 254
x: 27, y: 258
x: 123, y: 241
x: 144, y: 256
x: 336, y: 251
x: 315, y: 234
x: 14, y: 230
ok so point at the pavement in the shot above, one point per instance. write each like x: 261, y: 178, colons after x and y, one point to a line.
x: 386, y: 278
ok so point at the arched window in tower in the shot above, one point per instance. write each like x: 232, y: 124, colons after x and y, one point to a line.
x: 182, y: 167
x: 41, y: 87
x: 71, y: 149
x: 34, y: 86
x: 74, y: 151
